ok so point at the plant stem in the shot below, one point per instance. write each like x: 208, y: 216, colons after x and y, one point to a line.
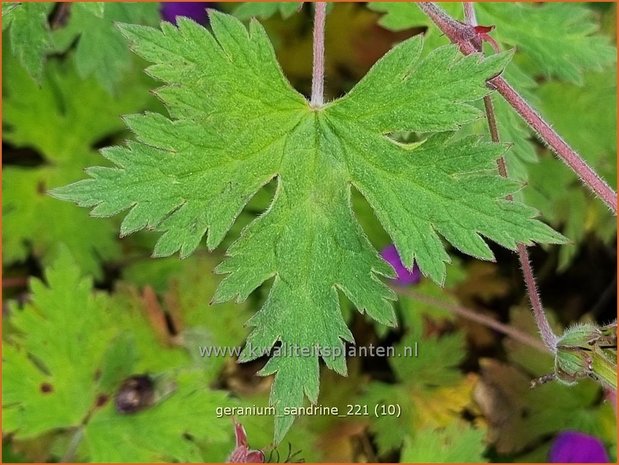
x: 471, y: 18
x: 556, y: 143
x: 472, y: 315
x: 462, y: 35
x: 318, y: 68
x: 469, y: 13
x: 548, y: 336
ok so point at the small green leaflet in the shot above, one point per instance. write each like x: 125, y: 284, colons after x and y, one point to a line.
x: 70, y: 350
x: 101, y: 50
x: 420, y: 381
x: 571, y: 48
x: 29, y: 33
x: 237, y: 124
x: 63, y: 315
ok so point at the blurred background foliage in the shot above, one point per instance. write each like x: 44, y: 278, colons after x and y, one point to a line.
x: 84, y: 310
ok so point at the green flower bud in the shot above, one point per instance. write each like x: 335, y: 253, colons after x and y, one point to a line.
x: 585, y: 351
x: 580, y: 335
x: 573, y: 357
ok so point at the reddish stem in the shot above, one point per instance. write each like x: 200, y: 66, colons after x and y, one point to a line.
x: 548, y: 336
x: 318, y: 68
x: 556, y: 143
x: 462, y: 34
x: 471, y: 18
x: 469, y: 13
x: 477, y: 317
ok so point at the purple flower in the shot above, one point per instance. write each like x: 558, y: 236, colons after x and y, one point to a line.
x: 405, y: 277
x: 194, y: 10
x: 574, y: 447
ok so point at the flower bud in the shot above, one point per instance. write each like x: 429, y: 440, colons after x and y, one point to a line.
x: 586, y: 351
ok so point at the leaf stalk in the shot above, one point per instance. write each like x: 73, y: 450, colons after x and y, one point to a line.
x: 318, y: 66
x: 548, y: 336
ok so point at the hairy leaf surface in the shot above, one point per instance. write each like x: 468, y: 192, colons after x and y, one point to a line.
x: 236, y: 124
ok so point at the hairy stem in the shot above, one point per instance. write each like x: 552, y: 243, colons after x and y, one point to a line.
x: 469, y: 13
x: 472, y: 315
x: 548, y: 336
x: 556, y: 143
x: 318, y: 68
x: 463, y: 35
x: 471, y: 18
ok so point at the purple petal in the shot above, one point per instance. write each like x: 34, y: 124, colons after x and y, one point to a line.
x: 574, y: 447
x: 194, y: 10
x: 405, y: 277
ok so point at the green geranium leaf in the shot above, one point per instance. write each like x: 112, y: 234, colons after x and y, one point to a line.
x: 101, y: 50
x: 454, y: 444
x: 62, y: 120
x: 236, y: 124
x: 68, y: 354
x: 29, y: 33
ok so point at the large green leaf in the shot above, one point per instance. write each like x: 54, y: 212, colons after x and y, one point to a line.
x: 237, y: 124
